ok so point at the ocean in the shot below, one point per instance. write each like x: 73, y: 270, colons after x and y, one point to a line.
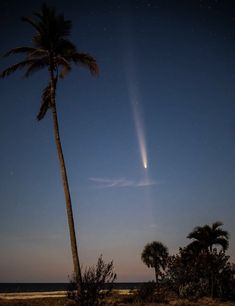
x: 49, y: 287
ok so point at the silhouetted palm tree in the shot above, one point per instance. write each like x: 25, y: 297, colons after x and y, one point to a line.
x: 155, y: 255
x: 51, y: 49
x: 206, y: 236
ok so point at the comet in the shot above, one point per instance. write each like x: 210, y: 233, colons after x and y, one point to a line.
x: 135, y: 96
x: 138, y: 121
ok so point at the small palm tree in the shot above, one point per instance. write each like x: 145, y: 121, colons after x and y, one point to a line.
x: 205, y: 237
x: 155, y: 255
x: 51, y: 49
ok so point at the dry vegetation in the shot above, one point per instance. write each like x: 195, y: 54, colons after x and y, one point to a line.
x: 114, y: 301
x: 35, y: 302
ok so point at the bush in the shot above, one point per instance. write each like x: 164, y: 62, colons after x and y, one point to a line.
x: 207, y: 274
x: 146, y: 292
x: 97, y: 283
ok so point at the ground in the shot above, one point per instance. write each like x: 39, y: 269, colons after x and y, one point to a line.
x: 121, y: 302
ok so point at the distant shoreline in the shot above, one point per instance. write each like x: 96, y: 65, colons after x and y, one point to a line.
x: 54, y: 287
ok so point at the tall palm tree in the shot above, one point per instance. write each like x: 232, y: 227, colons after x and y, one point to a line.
x: 155, y: 255
x: 206, y: 236
x: 51, y: 49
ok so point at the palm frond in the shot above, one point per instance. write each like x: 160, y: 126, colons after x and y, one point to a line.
x: 221, y: 233
x: 37, y: 53
x: 216, y: 224
x: 65, y: 47
x: 19, y: 50
x: 46, y: 101
x: 195, y: 246
x: 63, y: 26
x: 32, y: 22
x: 86, y: 60
x: 65, y: 70
x: 15, y: 67
x: 45, y: 11
x: 38, y: 41
x: 66, y: 67
x: 36, y: 66
x: 195, y: 232
x: 222, y: 242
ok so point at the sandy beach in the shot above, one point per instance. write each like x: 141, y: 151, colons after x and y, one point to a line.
x: 31, y: 295
x: 49, y: 294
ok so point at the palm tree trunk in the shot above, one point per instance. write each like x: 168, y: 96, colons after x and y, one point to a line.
x: 156, y: 275
x: 76, y: 263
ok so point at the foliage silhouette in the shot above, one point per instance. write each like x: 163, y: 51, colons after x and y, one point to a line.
x: 97, y: 284
x: 206, y: 236
x: 155, y: 255
x: 201, y: 270
x: 189, y: 276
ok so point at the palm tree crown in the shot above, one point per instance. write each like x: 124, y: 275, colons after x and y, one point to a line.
x: 50, y: 49
x: 155, y: 255
x: 206, y: 236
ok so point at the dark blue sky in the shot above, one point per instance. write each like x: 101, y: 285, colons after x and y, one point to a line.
x: 178, y: 58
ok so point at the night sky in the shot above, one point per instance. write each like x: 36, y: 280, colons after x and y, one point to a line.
x: 167, y: 76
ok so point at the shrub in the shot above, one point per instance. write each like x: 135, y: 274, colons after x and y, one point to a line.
x: 97, y: 283
x: 146, y: 292
x: 207, y: 274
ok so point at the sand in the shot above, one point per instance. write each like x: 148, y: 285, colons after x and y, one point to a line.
x: 32, y: 295
x: 51, y: 294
